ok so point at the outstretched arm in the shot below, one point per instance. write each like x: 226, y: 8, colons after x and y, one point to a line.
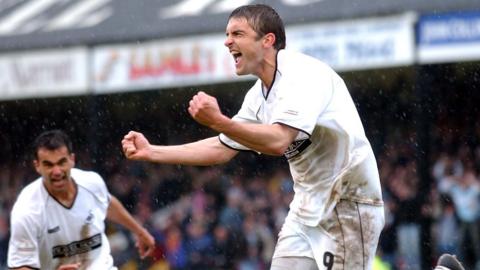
x: 209, y: 151
x: 144, y: 240
x: 269, y: 139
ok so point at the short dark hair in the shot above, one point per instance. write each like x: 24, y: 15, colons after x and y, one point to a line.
x: 263, y: 19
x: 52, y: 140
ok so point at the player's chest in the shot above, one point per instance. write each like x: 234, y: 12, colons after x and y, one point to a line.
x: 264, y: 106
x: 81, y: 221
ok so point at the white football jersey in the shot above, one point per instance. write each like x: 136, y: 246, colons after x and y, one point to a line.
x: 45, y: 234
x: 331, y: 158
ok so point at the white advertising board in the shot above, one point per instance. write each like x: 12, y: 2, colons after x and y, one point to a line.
x: 162, y: 64
x: 349, y: 45
x: 44, y: 73
x: 358, y: 44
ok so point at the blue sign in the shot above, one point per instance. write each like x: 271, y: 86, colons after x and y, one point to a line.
x: 447, y: 28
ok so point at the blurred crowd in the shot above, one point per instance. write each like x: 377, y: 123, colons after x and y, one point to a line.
x: 422, y: 226
x: 228, y: 217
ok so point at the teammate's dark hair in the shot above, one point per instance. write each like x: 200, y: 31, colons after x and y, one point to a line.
x: 52, y: 140
x: 263, y: 19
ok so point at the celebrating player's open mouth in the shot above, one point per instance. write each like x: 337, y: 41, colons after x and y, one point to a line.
x: 58, y: 182
x: 237, y: 57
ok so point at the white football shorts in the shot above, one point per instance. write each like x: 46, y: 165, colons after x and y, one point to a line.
x: 347, y: 239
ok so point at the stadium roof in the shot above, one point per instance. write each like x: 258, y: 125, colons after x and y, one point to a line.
x: 29, y: 24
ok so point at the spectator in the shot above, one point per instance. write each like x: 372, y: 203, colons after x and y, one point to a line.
x: 403, y: 184
x: 465, y: 193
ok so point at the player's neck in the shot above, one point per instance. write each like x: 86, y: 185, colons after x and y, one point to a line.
x: 66, y: 196
x: 268, y: 71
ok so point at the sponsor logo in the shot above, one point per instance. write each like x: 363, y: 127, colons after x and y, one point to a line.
x: 77, y: 247
x: 54, y: 229
x: 25, y: 246
x: 89, y: 217
x: 292, y: 112
x: 296, y: 148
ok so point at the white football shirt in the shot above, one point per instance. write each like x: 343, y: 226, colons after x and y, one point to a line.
x: 331, y: 158
x: 46, y: 234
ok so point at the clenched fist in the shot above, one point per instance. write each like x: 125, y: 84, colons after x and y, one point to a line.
x: 135, y: 146
x: 205, y: 110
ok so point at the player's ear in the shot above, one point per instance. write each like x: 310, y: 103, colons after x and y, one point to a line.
x: 36, y: 165
x: 72, y: 159
x: 269, y: 39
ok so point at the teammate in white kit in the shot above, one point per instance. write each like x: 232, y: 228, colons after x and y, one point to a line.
x: 300, y: 108
x: 57, y: 221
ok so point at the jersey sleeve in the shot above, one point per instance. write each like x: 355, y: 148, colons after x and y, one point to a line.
x: 302, y: 99
x: 101, y: 190
x: 93, y: 182
x: 23, y: 249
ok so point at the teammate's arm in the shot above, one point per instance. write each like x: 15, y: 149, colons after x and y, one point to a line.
x: 268, y: 139
x: 144, y: 240
x: 209, y: 151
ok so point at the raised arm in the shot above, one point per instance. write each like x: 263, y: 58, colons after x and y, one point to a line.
x: 144, y: 240
x: 209, y: 151
x: 269, y: 139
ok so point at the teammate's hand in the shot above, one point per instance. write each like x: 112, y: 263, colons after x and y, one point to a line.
x: 145, y: 244
x: 205, y: 110
x: 73, y: 266
x: 135, y: 146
